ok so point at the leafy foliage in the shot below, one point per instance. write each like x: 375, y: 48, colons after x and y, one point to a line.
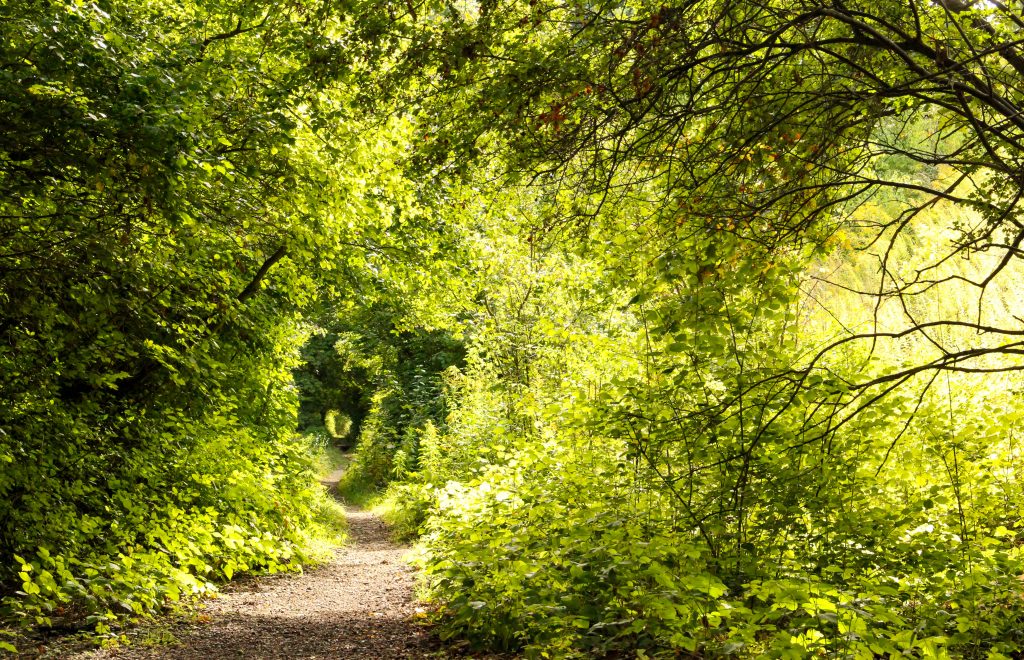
x: 673, y: 329
x: 403, y: 388
x: 170, y: 209
x: 593, y: 508
x: 747, y: 442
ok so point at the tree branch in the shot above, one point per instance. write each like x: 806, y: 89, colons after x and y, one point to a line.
x: 254, y: 286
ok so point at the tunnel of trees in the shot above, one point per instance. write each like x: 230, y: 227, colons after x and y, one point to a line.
x: 686, y: 329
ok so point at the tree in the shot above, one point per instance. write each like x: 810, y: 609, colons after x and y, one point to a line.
x: 721, y: 160
x: 176, y: 190
x: 756, y: 128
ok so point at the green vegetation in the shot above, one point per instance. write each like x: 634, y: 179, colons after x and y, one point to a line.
x: 170, y: 216
x: 330, y: 460
x: 686, y: 329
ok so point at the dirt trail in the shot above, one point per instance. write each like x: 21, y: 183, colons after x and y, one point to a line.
x: 358, y: 605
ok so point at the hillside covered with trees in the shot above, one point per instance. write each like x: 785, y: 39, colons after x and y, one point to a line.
x: 667, y: 330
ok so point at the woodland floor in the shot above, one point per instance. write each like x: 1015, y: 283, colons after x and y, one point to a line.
x: 358, y: 605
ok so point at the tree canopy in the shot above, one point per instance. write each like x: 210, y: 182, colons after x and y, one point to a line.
x: 685, y: 328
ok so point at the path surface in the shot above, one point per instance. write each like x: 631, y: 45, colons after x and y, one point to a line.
x: 358, y: 605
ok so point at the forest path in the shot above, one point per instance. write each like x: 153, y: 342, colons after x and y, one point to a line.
x: 360, y: 604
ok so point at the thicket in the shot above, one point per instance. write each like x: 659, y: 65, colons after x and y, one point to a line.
x: 577, y: 498
x: 172, y: 216
x: 744, y: 379
x: 400, y: 378
x: 686, y: 328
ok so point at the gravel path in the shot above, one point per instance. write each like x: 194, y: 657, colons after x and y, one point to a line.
x: 358, y: 605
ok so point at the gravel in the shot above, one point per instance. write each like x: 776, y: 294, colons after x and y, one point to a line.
x: 358, y: 605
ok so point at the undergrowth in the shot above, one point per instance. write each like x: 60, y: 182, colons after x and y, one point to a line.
x: 220, y: 524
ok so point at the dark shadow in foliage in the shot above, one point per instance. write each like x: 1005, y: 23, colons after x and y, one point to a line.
x: 328, y: 380
x: 347, y: 365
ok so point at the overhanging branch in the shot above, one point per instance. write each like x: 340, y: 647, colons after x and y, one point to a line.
x: 254, y: 286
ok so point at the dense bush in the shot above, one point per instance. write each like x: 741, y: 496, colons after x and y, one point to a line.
x: 674, y: 329
x: 169, y: 219
x: 592, y: 508
x: 578, y: 552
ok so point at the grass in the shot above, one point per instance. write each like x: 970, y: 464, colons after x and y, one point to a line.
x: 331, y: 459
x: 330, y: 525
x: 357, y: 489
x: 404, y: 507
